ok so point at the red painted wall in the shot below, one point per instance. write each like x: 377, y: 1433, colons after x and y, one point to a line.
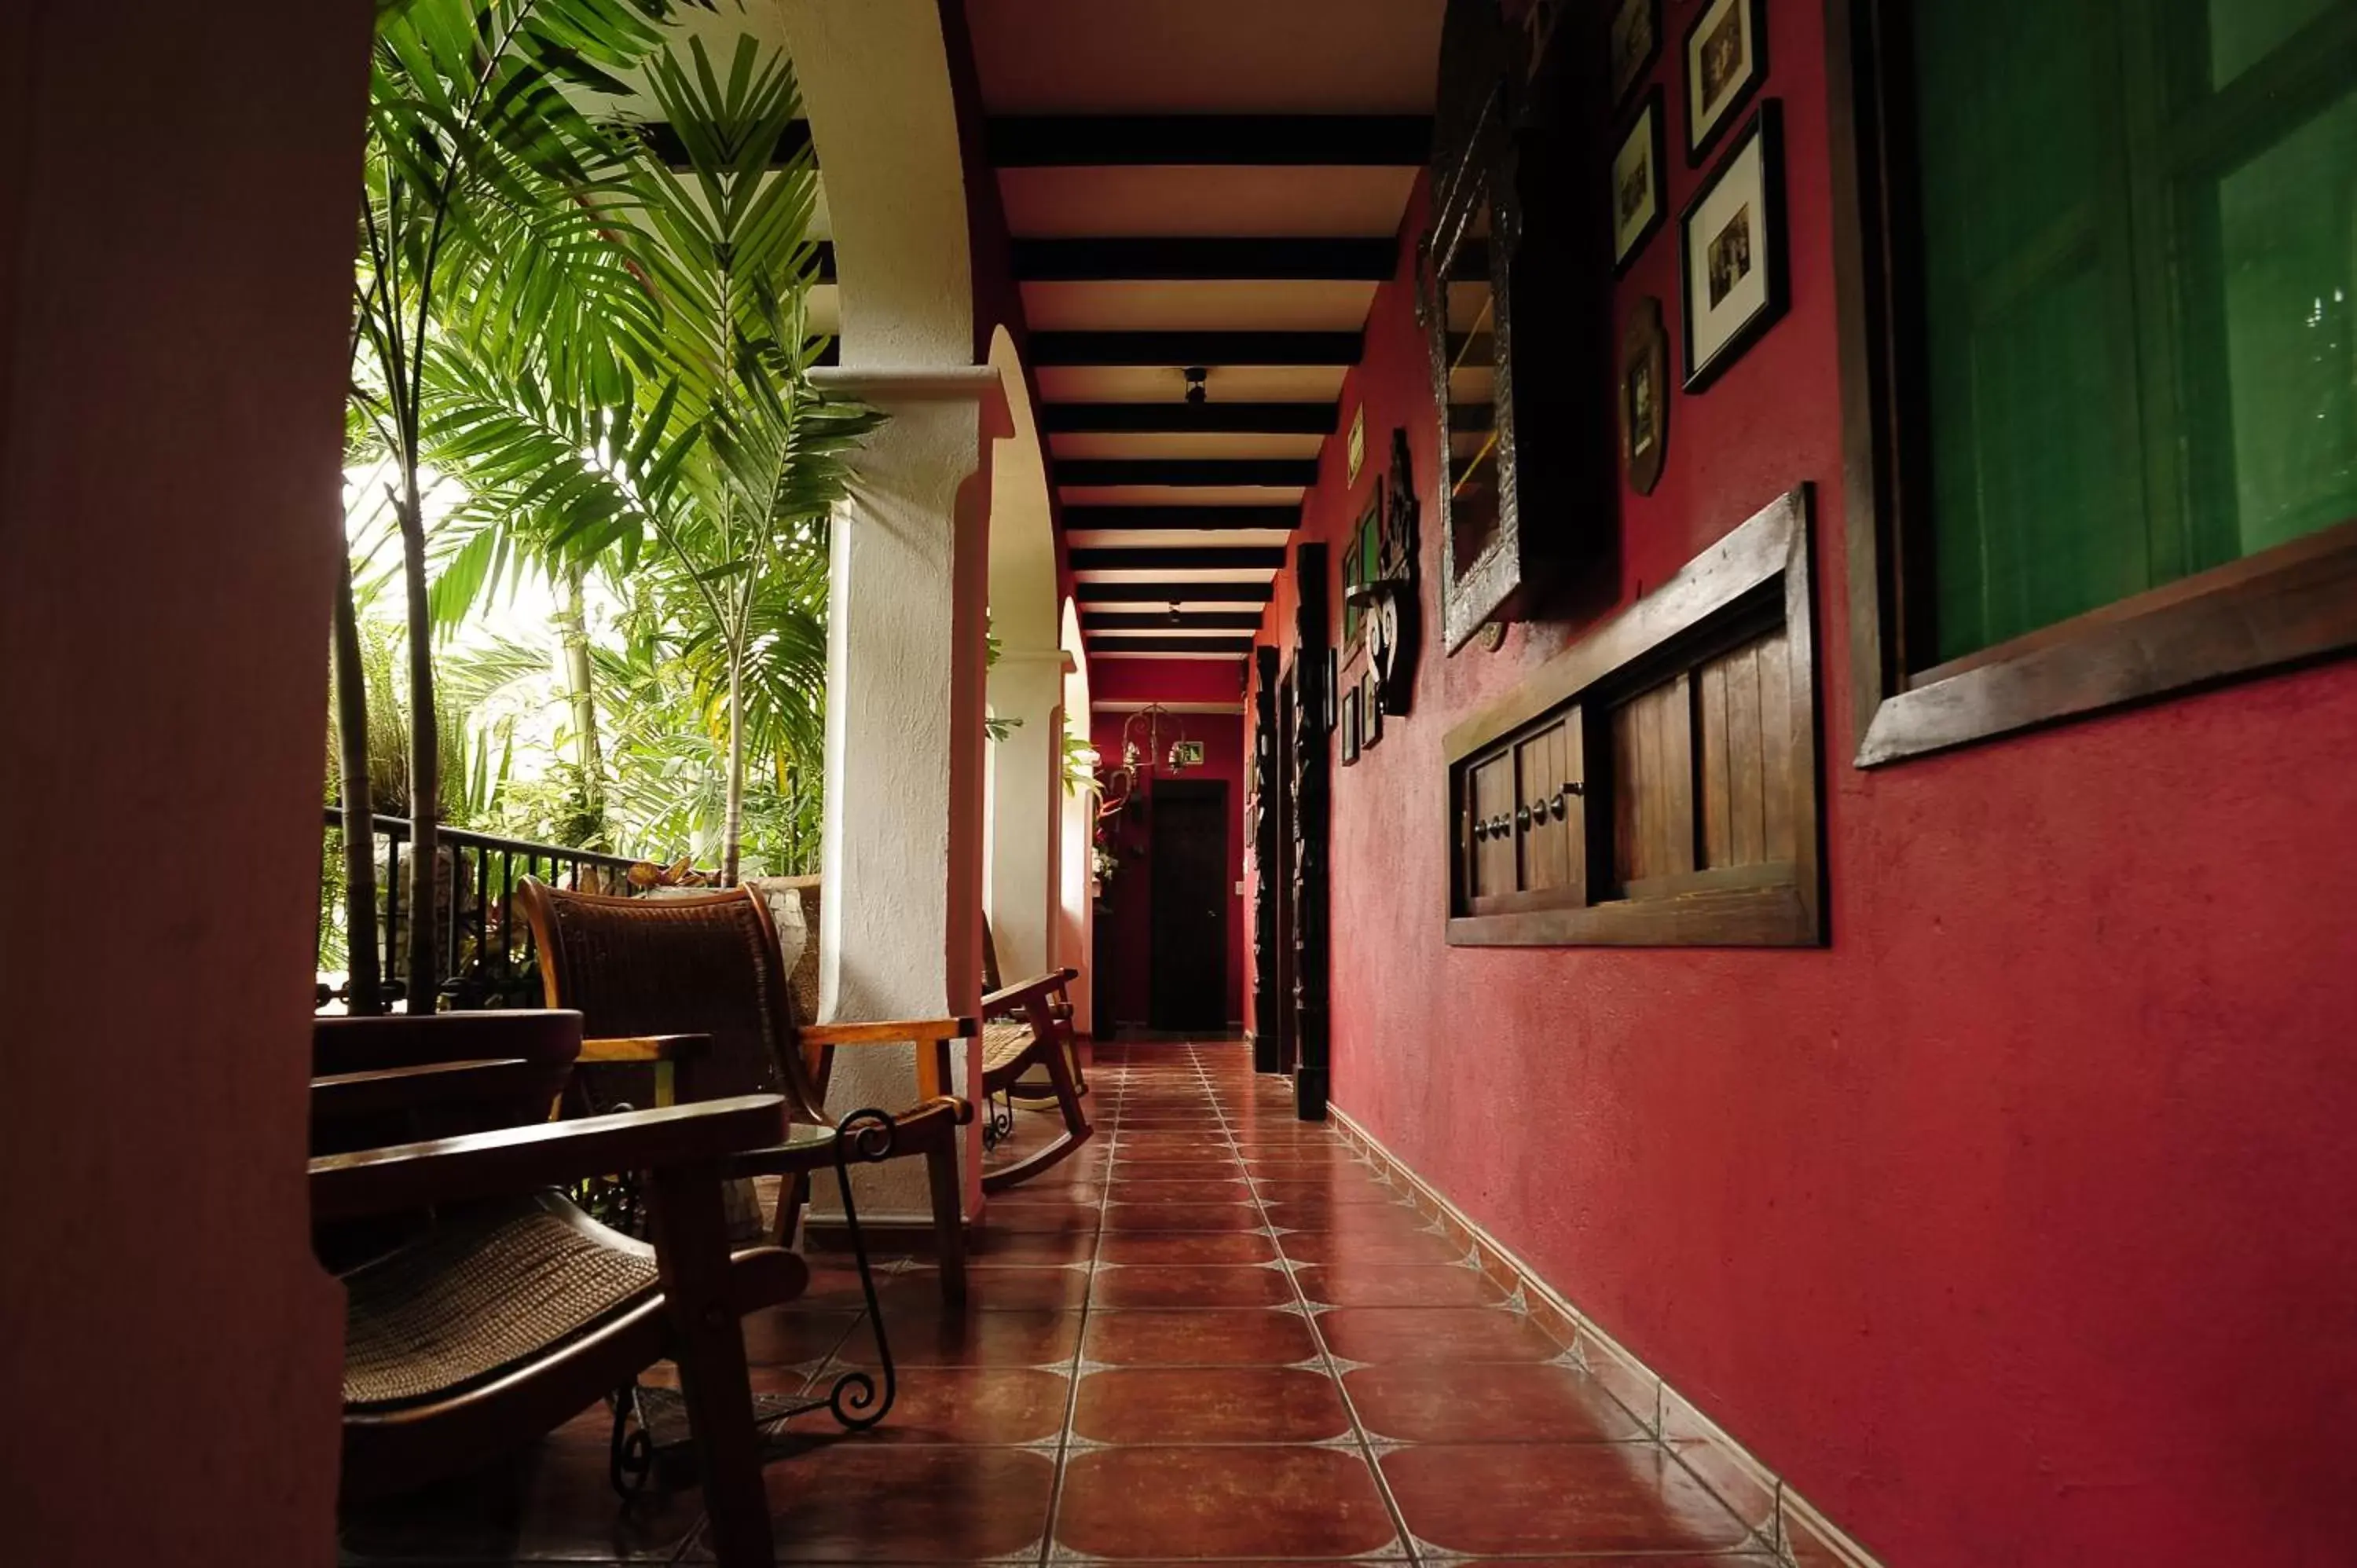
x: 173, y: 360
x: 2012, y: 1229
x: 1125, y: 915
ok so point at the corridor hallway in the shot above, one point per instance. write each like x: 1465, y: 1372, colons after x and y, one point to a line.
x: 1213, y: 1334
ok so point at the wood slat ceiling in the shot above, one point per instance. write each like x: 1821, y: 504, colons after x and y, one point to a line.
x: 1212, y: 183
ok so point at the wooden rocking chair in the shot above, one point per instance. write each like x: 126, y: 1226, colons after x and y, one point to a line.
x: 643, y: 971
x: 506, y: 1310
x: 1027, y: 1027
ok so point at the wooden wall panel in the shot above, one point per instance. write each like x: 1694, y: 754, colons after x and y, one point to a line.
x: 1743, y: 715
x: 1652, y: 784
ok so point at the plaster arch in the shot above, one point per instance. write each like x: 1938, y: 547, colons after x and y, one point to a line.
x: 876, y: 83
x: 1023, y: 881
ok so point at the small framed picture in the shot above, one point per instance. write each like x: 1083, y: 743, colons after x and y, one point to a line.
x: 1644, y: 396
x: 1640, y: 196
x: 1636, y: 44
x: 1731, y: 251
x: 1351, y: 726
x: 1354, y: 574
x: 1726, y: 58
x: 1370, y: 708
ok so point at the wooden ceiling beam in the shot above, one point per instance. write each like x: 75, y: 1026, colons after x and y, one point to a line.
x: 1182, y: 349
x: 1222, y: 645
x: 1086, y: 518
x: 1167, y: 558
x: 1190, y: 418
x: 1200, y: 259
x: 1163, y: 620
x: 1286, y: 472
x: 1174, y: 593
x: 1266, y: 141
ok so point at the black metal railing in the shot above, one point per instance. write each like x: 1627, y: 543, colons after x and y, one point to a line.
x: 486, y: 955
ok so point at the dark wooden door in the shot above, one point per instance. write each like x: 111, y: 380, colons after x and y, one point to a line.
x: 1189, y: 917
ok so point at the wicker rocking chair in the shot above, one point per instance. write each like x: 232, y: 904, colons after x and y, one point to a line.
x: 1027, y: 1028
x: 503, y: 1310
x: 643, y: 971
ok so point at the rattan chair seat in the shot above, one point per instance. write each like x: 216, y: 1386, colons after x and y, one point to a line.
x: 1003, y: 1041
x: 484, y: 1290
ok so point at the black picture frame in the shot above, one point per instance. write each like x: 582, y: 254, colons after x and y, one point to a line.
x: 1648, y: 124
x: 1766, y: 129
x: 1701, y: 138
x: 1626, y: 72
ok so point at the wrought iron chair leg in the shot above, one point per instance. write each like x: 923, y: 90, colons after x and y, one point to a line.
x: 854, y: 1398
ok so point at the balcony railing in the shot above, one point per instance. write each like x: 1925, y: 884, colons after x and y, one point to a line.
x: 487, y: 958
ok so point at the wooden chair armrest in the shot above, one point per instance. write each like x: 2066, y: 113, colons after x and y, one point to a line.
x: 646, y: 1049
x: 1013, y: 997
x: 521, y: 1159
x: 888, y: 1032
x: 391, y: 1090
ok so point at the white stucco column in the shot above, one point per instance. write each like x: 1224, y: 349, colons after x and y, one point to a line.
x: 1076, y: 914
x: 1027, y: 839
x: 902, y: 848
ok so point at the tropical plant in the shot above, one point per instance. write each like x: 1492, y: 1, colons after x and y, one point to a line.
x: 479, y: 217
x: 702, y: 466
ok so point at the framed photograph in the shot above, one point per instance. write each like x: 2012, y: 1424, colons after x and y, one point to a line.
x: 1644, y: 396
x: 1354, y: 574
x: 1636, y: 44
x: 1726, y: 58
x: 1640, y: 193
x: 1354, y: 449
x: 1731, y: 251
x: 1370, y: 708
x: 1351, y: 726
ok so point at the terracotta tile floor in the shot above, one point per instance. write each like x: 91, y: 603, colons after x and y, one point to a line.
x: 1213, y: 1334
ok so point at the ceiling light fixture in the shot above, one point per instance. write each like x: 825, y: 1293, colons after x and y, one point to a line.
x: 1197, y: 375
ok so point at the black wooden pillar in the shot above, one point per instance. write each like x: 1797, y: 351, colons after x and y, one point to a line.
x: 1266, y: 1028
x: 1313, y: 720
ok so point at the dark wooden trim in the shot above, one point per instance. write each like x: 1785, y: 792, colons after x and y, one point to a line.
x: 1751, y: 917
x: 1208, y: 472
x: 1213, y: 349
x: 2288, y: 606
x: 2284, y: 608
x: 1757, y: 577
x: 1154, y: 620
x: 1097, y: 518
x: 1173, y: 593
x: 1238, y: 646
x: 1101, y: 141
x: 1235, y: 557
x: 1190, y: 418
x: 1739, y: 565
x: 1205, y: 258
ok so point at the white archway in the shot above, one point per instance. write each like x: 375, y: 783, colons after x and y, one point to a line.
x: 875, y: 84
x: 1076, y: 898
x: 1026, y: 687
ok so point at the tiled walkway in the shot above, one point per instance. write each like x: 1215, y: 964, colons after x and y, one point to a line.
x: 1213, y: 1334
